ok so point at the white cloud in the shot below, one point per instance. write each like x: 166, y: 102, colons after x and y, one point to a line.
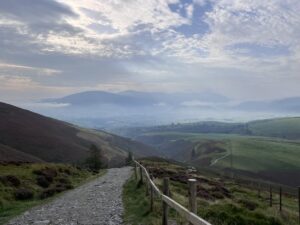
x: 104, y: 23
x: 147, y: 35
x: 5, y: 67
x: 125, y: 15
x: 16, y: 88
x: 189, y: 10
x: 16, y: 82
x: 41, y: 105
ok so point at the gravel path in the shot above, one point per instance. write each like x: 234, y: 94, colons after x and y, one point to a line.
x: 98, y: 202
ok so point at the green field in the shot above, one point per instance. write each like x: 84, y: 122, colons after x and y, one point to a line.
x: 288, y: 128
x: 271, y: 158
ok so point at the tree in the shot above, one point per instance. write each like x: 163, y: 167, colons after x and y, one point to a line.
x: 194, y: 154
x: 129, y: 158
x: 93, y: 162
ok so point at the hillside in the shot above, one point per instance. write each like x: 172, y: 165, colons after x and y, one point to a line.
x: 219, y: 201
x: 272, y: 159
x: 286, y: 128
x: 27, y: 136
x: 264, y: 149
x: 9, y: 154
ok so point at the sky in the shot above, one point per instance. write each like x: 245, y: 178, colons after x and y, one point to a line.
x: 243, y: 49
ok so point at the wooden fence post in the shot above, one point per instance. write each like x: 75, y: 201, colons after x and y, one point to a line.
x: 271, y: 197
x: 135, y: 171
x: 193, y: 196
x: 166, y: 191
x: 151, y: 195
x: 141, y: 175
x: 299, y: 203
x: 280, y: 199
x: 147, y: 186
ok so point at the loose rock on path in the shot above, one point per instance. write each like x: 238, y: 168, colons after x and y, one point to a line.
x: 98, y: 202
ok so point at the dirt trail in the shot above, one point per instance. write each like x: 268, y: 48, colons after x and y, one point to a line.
x: 218, y: 159
x: 98, y: 202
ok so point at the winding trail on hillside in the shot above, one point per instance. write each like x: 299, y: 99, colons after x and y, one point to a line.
x: 218, y: 159
x: 98, y: 202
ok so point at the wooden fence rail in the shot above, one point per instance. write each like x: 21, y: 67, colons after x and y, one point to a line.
x: 191, y: 217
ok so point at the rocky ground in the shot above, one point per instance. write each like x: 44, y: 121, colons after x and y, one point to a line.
x: 98, y: 202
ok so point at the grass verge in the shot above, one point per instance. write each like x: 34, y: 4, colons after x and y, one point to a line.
x: 23, y: 186
x: 221, y: 202
x: 137, y: 205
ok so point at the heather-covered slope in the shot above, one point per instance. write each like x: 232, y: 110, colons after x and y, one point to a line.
x: 56, y: 141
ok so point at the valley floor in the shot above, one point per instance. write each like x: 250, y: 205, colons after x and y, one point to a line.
x: 97, y: 202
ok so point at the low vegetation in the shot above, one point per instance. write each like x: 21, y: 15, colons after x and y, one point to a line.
x: 23, y: 185
x: 220, y: 201
x: 137, y: 205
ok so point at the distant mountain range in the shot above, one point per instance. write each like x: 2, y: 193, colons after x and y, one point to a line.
x: 152, y: 99
x: 136, y: 99
x: 30, y: 137
x: 99, y: 109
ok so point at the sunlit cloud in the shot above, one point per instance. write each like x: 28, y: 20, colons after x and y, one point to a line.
x: 166, y: 45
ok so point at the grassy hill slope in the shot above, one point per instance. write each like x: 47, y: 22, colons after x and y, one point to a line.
x: 9, y: 154
x: 219, y: 201
x: 273, y: 159
x: 288, y: 128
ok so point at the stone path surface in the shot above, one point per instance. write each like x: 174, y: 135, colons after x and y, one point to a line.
x: 98, y: 202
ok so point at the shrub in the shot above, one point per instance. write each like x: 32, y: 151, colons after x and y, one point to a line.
x: 60, y: 188
x: 67, y: 171
x: 14, y: 181
x: 248, y: 204
x: 47, y: 193
x: 93, y: 162
x: 129, y: 158
x: 23, y: 194
x: 69, y: 186
x: 63, y: 187
x: 2, y: 203
x: 42, y: 181
x: 10, y: 180
x: 48, y: 173
x: 64, y: 181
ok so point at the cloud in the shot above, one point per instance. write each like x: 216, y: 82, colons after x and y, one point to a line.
x: 41, y: 105
x: 189, y: 10
x: 16, y: 82
x: 150, y: 44
x: 34, y: 11
x: 16, y: 88
x: 7, y: 68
